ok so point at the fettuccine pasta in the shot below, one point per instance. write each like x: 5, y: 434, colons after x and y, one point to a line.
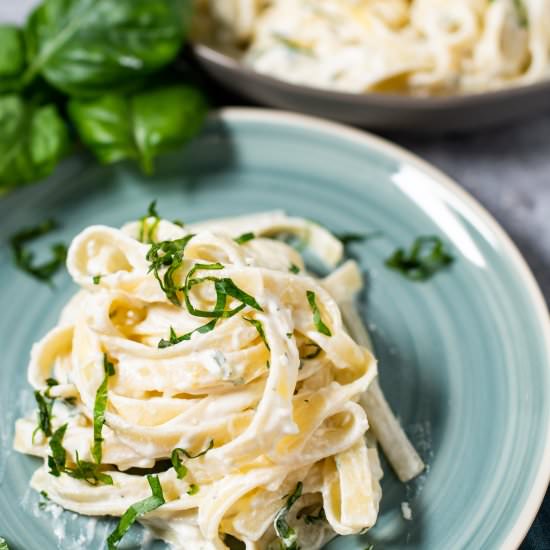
x: 421, y: 47
x: 207, y: 357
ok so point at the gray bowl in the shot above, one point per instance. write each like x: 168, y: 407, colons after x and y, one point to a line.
x: 384, y: 112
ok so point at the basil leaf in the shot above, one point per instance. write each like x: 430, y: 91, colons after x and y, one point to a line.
x: 32, y: 142
x: 58, y: 458
x: 294, y: 269
x: 244, y: 238
x: 260, y: 328
x: 24, y: 258
x: 137, y: 510
x: 100, y: 405
x: 287, y: 535
x: 317, y: 321
x: 177, y: 459
x: 426, y: 257
x: 12, y: 57
x: 88, y: 47
x: 3, y: 544
x: 141, y: 126
x: 174, y: 339
x: 96, y: 279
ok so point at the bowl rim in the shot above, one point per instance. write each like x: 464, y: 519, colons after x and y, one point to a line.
x: 209, y: 54
x: 541, y: 482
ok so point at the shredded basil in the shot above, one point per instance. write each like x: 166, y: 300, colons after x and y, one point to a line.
x: 179, y: 223
x: 45, y: 406
x: 100, y: 406
x: 137, y: 510
x: 146, y: 233
x: 25, y: 259
x: 260, y: 329
x: 224, y: 287
x: 287, y: 535
x: 58, y: 458
x: 294, y: 269
x: 317, y: 321
x: 289, y: 335
x: 174, y: 339
x: 168, y: 254
x: 244, y: 238
x: 3, y: 544
x: 50, y: 382
x: 426, y: 257
x: 96, y: 279
x: 177, y: 459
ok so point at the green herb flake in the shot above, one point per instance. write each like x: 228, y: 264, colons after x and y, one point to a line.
x: 426, y: 257
x: 289, y: 335
x: 100, y: 407
x: 317, y: 321
x: 260, y: 329
x: 294, y: 269
x: 137, y: 510
x: 90, y: 472
x: 25, y: 259
x: 45, y: 406
x: 179, y: 454
x: 244, y: 238
x: 58, y: 458
x: 193, y: 489
x: 287, y: 535
x: 50, y: 382
x: 44, y: 499
x: 169, y: 255
x: 174, y: 339
x: 96, y: 279
x: 179, y: 223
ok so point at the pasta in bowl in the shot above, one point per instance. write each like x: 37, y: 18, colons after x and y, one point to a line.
x: 427, y: 66
x: 203, y: 382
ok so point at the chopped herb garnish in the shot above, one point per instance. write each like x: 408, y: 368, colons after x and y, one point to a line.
x: 287, y: 535
x: 224, y: 287
x: 177, y: 459
x: 3, y: 544
x: 45, y: 405
x: 260, y: 328
x: 426, y: 257
x: 294, y: 269
x: 289, y: 335
x: 50, y: 382
x: 43, y: 502
x: 57, y: 460
x: 174, y: 339
x: 168, y: 254
x: 146, y: 233
x: 137, y: 510
x: 310, y: 519
x: 96, y: 279
x: 24, y: 258
x: 193, y: 489
x: 179, y: 223
x: 100, y: 406
x: 317, y: 321
x: 244, y: 238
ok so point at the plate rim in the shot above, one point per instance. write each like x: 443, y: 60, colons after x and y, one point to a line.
x: 205, y: 53
x: 541, y: 482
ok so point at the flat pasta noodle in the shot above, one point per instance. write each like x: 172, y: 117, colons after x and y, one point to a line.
x: 420, y: 47
x: 252, y: 411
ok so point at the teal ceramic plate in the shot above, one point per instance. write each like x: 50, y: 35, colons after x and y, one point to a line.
x: 464, y: 358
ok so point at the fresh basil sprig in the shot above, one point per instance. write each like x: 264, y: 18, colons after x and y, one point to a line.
x: 244, y: 238
x: 137, y: 510
x: 287, y: 535
x: 24, y: 258
x: 425, y: 258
